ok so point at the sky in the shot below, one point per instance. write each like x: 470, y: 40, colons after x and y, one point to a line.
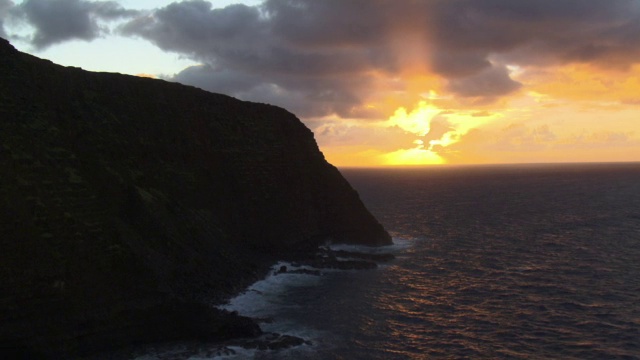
x: 381, y: 82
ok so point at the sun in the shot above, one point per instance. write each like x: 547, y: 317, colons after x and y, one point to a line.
x: 414, y: 156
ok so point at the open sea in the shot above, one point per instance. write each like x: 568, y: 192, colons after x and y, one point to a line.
x: 492, y: 262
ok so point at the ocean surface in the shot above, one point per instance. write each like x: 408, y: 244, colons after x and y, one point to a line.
x: 492, y: 262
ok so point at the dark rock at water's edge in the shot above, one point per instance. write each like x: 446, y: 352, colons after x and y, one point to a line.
x: 382, y: 257
x: 207, y: 350
x: 327, y: 258
x: 126, y: 202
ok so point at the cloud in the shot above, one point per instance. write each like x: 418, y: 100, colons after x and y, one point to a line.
x: 490, y: 83
x: 330, y: 23
x: 459, y: 64
x: 5, y: 8
x: 470, y: 147
x: 56, y: 21
x: 584, y: 83
x: 314, y: 58
x: 306, y: 97
x: 482, y: 145
x: 242, y: 38
x: 323, y: 52
x: 541, y: 31
x: 322, y: 58
x: 245, y: 56
x: 217, y: 80
x: 336, y: 133
x: 599, y: 140
x: 438, y: 128
x: 233, y: 36
x: 523, y: 138
x: 520, y: 137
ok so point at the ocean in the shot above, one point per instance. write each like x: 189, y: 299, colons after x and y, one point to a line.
x: 492, y: 262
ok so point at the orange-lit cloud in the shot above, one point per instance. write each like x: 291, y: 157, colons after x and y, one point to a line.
x: 581, y: 82
x: 150, y: 76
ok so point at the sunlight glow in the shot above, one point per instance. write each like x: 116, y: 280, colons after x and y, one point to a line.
x: 417, y: 121
x: 435, y: 129
x: 415, y: 156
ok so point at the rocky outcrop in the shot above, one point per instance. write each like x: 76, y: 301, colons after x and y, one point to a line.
x: 124, y: 201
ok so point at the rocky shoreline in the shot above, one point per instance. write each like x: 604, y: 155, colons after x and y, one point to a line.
x: 245, y: 332
x: 327, y: 258
x: 323, y: 259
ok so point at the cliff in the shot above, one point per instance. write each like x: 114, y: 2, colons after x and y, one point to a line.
x: 126, y: 202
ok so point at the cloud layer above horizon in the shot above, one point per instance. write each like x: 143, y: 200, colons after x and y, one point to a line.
x: 487, y: 70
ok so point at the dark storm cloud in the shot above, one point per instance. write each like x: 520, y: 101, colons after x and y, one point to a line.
x: 540, y: 31
x: 318, y: 55
x: 330, y: 23
x: 490, y: 83
x: 246, y: 57
x: 303, y: 97
x: 235, y: 33
x: 217, y: 80
x: 241, y: 37
x: 60, y: 20
x: 458, y: 64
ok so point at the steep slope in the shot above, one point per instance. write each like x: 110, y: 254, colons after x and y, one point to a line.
x: 125, y: 201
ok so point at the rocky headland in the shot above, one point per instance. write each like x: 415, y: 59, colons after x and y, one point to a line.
x: 127, y: 205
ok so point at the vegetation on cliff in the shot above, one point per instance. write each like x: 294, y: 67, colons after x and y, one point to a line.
x: 125, y: 201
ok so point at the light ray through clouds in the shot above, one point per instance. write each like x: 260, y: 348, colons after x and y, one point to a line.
x: 384, y: 82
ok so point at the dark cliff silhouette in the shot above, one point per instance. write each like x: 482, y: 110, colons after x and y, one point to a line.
x: 126, y: 202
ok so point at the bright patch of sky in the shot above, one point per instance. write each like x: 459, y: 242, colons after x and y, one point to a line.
x: 154, y: 4
x: 114, y: 53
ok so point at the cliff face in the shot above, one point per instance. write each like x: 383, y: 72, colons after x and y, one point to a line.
x: 122, y: 197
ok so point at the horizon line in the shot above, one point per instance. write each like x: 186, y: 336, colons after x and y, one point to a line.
x: 526, y: 164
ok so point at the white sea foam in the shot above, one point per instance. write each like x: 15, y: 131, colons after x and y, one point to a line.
x: 265, y: 298
x: 398, y: 245
x: 299, y: 352
x: 268, y: 299
x: 402, y: 243
x: 188, y: 352
x: 240, y: 353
